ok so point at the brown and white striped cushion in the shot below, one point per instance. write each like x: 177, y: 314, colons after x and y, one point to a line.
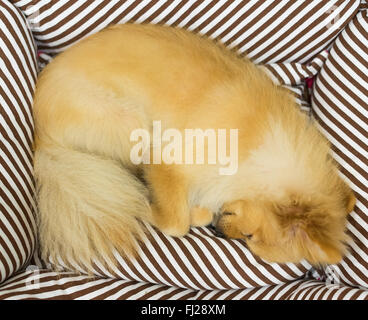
x: 266, y: 31
x: 294, y: 77
x: 340, y: 104
x: 17, y: 79
x: 200, y: 260
x: 43, y: 284
x: 313, y: 290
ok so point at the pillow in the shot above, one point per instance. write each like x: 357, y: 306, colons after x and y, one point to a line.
x: 266, y: 31
x: 313, y: 290
x: 340, y: 104
x: 44, y: 284
x: 296, y: 77
x: 198, y: 261
x: 18, y: 76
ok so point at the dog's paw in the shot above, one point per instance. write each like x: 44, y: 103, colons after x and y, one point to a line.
x: 176, y: 226
x: 200, y: 217
x: 175, y: 230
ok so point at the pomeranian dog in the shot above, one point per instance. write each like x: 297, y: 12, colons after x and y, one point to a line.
x: 285, y: 197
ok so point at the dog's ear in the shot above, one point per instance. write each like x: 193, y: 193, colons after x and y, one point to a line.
x: 304, y: 228
x: 319, y: 248
x: 323, y: 252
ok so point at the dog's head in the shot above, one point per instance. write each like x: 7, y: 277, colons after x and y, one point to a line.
x: 293, y: 227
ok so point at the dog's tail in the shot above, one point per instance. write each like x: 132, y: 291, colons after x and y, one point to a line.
x: 87, y: 206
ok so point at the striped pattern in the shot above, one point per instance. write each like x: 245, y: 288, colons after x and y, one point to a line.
x: 340, y: 105
x: 17, y: 80
x: 266, y: 31
x: 199, y: 266
x: 201, y: 261
x: 198, y: 261
x: 313, y: 290
x: 293, y: 73
x: 293, y: 76
x: 43, y: 284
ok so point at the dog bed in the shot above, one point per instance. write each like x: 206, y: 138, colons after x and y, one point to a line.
x: 292, y: 41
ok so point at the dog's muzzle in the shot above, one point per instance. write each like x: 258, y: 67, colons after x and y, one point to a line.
x: 217, y: 227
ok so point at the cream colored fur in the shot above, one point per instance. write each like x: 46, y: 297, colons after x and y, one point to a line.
x: 90, y: 98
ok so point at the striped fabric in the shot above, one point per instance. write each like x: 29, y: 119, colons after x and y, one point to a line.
x: 266, y: 31
x: 293, y: 73
x: 313, y: 290
x: 290, y: 36
x: 296, y: 77
x: 17, y: 79
x: 43, y: 284
x: 198, y: 261
x: 340, y: 104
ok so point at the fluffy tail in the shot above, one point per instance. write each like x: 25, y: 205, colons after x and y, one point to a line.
x: 87, y: 206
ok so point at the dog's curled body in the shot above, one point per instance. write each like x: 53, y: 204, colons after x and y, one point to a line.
x: 286, y: 192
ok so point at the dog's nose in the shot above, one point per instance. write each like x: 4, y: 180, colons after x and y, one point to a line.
x: 218, y: 231
x: 215, y: 225
x: 215, y: 220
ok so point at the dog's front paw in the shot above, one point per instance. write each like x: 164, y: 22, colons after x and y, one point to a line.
x: 200, y: 217
x: 175, y: 225
x: 175, y: 230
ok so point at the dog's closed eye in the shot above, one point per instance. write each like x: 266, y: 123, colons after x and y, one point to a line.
x: 247, y: 235
x: 227, y: 213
